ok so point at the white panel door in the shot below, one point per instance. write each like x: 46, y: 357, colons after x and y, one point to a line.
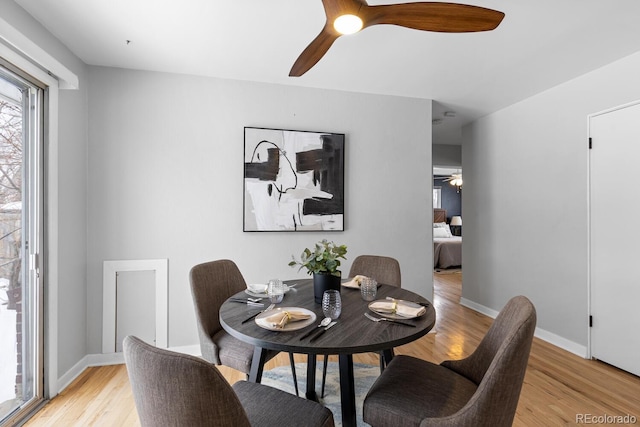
x: 615, y: 237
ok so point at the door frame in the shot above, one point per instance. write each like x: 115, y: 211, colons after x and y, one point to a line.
x: 49, y: 261
x: 32, y: 242
x: 589, y: 206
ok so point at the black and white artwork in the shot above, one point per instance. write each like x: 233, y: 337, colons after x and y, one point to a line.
x: 293, y: 180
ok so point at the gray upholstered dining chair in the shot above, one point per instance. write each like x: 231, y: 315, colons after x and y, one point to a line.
x: 211, y: 284
x: 480, y: 390
x: 385, y: 270
x: 174, y: 389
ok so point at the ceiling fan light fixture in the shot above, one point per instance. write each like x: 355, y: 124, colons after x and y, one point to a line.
x: 456, y: 181
x: 348, y: 24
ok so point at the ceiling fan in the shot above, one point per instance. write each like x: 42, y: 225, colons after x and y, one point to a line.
x: 454, y: 179
x: 350, y: 16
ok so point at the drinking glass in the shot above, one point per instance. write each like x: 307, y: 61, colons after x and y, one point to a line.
x: 275, y: 290
x: 368, y: 288
x: 331, y: 304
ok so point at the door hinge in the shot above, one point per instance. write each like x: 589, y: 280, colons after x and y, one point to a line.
x: 591, y: 321
x: 590, y: 144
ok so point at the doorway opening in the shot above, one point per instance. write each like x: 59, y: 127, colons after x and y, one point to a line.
x: 447, y: 218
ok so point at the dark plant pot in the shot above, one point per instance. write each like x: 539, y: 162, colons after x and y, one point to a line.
x: 324, y: 282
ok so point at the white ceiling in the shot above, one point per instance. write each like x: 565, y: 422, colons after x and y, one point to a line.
x: 443, y: 171
x: 540, y: 43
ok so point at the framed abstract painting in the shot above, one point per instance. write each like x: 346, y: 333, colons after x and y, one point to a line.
x: 293, y: 180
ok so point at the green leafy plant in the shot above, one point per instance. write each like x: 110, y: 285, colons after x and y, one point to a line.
x: 325, y: 259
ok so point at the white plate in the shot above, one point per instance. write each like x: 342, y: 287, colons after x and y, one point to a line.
x: 292, y: 326
x: 261, y: 294
x: 393, y: 315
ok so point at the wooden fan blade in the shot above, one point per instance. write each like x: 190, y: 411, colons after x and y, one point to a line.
x: 433, y: 16
x: 314, y: 52
x: 335, y: 8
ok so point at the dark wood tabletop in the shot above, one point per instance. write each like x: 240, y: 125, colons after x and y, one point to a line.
x: 354, y: 333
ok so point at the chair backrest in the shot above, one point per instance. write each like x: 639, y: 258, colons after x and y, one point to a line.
x: 211, y: 284
x: 498, y: 366
x: 172, y: 389
x: 384, y: 269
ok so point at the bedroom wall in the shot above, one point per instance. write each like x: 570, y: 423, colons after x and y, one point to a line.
x: 165, y: 179
x: 524, y: 233
x: 70, y: 199
x: 451, y: 199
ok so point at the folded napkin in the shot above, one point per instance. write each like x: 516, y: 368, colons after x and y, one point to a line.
x: 280, y: 319
x: 396, y: 307
x: 257, y: 288
x: 355, y: 282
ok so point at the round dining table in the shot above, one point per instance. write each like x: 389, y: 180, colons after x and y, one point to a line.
x: 353, y: 333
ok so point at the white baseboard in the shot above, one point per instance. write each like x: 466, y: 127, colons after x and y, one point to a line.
x: 479, y: 308
x: 109, y: 359
x: 550, y: 337
x: 73, y: 373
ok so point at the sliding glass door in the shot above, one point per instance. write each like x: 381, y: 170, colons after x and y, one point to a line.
x: 21, y: 291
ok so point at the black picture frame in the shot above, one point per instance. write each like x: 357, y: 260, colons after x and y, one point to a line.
x: 293, y: 180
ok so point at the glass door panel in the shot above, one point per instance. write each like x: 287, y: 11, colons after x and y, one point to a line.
x: 21, y: 375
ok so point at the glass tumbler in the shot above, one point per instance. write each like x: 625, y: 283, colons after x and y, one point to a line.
x: 331, y: 304
x: 368, y: 289
x: 275, y: 290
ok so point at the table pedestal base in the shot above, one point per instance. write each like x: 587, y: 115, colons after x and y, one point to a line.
x: 347, y: 390
x: 311, y: 394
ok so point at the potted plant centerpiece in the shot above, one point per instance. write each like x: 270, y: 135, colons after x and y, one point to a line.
x: 322, y: 263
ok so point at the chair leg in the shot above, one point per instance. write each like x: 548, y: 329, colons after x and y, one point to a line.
x: 324, y: 374
x: 383, y: 359
x: 293, y: 373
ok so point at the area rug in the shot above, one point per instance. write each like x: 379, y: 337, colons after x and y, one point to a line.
x: 364, y: 375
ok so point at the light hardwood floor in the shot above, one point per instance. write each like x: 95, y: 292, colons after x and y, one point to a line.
x: 558, y: 386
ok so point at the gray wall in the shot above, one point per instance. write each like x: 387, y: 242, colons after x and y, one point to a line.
x: 72, y: 248
x: 70, y: 253
x: 447, y: 155
x: 165, y: 179
x: 524, y: 233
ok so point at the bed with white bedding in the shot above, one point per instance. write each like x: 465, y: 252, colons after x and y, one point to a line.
x: 447, y: 248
